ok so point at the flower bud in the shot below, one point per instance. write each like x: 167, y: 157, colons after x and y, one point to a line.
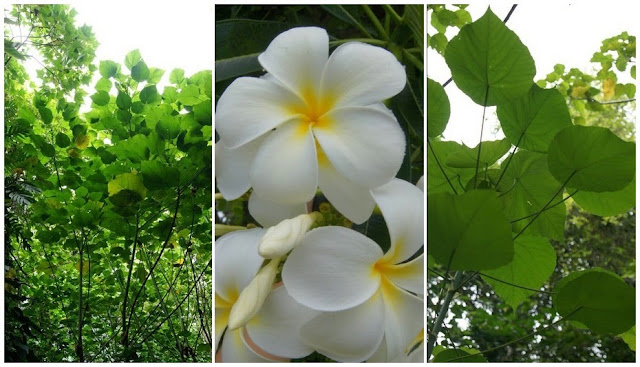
x: 284, y: 236
x: 253, y: 295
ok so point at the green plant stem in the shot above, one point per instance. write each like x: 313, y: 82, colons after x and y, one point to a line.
x: 440, y: 166
x: 545, y: 205
x: 372, y: 41
x: 376, y: 22
x: 436, y: 273
x: 395, y: 16
x: 484, y: 110
x: 412, y: 59
x: 551, y: 206
x: 511, y: 157
x: 125, y: 329
x: 444, y: 309
x: 465, y: 281
x: 518, y: 339
x: 515, y: 285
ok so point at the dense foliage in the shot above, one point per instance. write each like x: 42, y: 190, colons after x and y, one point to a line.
x: 556, y: 224
x: 107, y: 200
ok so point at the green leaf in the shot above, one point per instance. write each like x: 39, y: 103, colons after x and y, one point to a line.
x: 606, y: 204
x: 140, y: 71
x: 203, y: 112
x: 439, y: 42
x: 149, y: 94
x: 531, y: 121
x: 108, y: 68
x: 487, y: 57
x: 132, y: 58
x: 449, y: 354
x: 45, y: 114
x: 629, y: 337
x: 236, y: 66
x: 48, y: 150
x: 62, y: 140
x: 438, y: 109
x: 534, y: 260
x: 413, y: 17
x: 155, y: 75
x: 168, y: 128
x: 468, y: 231
x: 490, y: 152
x: 157, y: 176
x: 176, y: 76
x: 608, y: 303
x: 103, y: 85
x: 101, y: 98
x: 189, y: 95
x: 123, y: 101
x: 591, y: 159
x: 533, y: 187
x: 436, y: 180
x: 126, y: 189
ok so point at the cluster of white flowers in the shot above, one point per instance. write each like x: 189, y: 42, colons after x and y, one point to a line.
x: 317, y: 121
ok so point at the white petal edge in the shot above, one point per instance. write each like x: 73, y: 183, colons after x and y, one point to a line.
x: 364, y: 144
x: 250, y: 107
x: 297, y: 58
x: 285, y: 168
x: 222, y: 317
x: 276, y: 328
x: 332, y: 269
x: 402, y: 206
x: 408, y: 275
x: 232, y: 168
x: 236, y: 262
x: 352, y: 200
x: 358, y: 74
x: 268, y: 214
x: 420, y: 183
x: 403, y: 318
x: 351, y: 335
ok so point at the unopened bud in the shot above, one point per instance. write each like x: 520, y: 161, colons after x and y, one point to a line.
x: 253, y: 295
x: 284, y: 236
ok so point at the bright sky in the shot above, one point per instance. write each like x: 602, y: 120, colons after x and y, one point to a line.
x: 168, y: 34
x: 554, y: 33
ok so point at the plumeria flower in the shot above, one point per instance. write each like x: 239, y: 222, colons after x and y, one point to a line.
x: 313, y: 121
x: 369, y: 299
x: 268, y: 333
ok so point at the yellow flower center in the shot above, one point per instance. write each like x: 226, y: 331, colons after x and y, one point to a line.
x: 313, y: 110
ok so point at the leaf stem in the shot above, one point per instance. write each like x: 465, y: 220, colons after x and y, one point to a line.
x: 376, y: 22
x: 412, y: 59
x: 444, y: 309
x: 515, y: 285
x: 360, y: 26
x: 545, y: 205
x: 372, y: 41
x: 551, y: 206
x: 440, y: 166
x: 396, y: 17
x: 484, y: 110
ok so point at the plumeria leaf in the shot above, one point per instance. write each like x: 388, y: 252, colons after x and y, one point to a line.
x: 438, y: 109
x: 607, y: 203
x: 490, y: 152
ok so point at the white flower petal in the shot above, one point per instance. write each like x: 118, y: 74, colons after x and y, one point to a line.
x: 402, y: 205
x: 237, y: 262
x: 380, y: 355
x: 297, y: 57
x: 285, y: 169
x: 409, y: 275
x: 351, y: 335
x: 268, y: 213
x: 234, y: 350
x: 420, y: 183
x: 352, y: 200
x: 250, y: 107
x: 364, y: 144
x: 332, y: 269
x: 222, y: 318
x: 358, y: 74
x: 403, y: 318
x: 276, y: 328
x: 232, y: 168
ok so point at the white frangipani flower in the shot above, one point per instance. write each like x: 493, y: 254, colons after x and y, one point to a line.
x: 283, y: 237
x: 367, y: 297
x: 280, y: 317
x: 315, y: 121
